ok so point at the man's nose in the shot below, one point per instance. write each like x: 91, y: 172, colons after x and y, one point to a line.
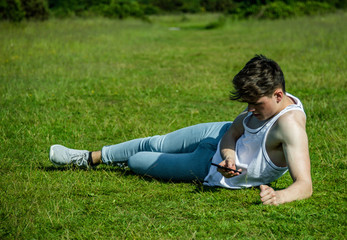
x: 251, y: 108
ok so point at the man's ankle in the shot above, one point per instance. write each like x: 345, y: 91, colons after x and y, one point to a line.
x: 94, y: 158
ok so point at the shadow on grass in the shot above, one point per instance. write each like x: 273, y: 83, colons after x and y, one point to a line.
x: 124, y: 171
x: 219, y: 23
x: 198, y: 187
x: 53, y: 168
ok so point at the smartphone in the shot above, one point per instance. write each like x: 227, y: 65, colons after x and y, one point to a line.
x: 225, y: 168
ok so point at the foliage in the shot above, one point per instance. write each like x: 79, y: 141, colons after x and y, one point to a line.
x: 276, y: 10
x: 16, y: 10
x: 218, y: 5
x: 124, y: 8
x: 35, y: 9
x: 313, y: 8
x: 11, y: 10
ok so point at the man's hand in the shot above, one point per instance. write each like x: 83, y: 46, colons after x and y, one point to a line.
x: 229, y: 164
x: 269, y: 196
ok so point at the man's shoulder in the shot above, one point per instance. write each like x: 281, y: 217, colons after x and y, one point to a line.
x: 290, y: 118
x: 289, y: 125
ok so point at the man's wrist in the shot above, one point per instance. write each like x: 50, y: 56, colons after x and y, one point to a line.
x: 229, y: 159
x: 280, y: 195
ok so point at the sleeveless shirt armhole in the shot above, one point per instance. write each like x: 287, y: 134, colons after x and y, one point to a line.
x: 266, y: 156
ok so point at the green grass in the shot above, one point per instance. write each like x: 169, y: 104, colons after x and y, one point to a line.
x: 86, y: 83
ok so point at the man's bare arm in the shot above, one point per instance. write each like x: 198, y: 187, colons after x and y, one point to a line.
x: 292, y: 133
x: 228, y: 143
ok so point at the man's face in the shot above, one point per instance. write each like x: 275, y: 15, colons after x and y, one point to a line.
x: 264, y: 108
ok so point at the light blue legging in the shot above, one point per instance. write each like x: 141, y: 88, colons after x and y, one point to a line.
x: 182, y: 155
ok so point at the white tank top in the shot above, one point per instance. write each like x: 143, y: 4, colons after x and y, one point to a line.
x: 251, y: 156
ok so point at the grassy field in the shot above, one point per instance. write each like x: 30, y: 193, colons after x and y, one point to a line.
x: 86, y: 83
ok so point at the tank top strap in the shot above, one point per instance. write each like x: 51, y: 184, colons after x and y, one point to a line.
x: 296, y: 106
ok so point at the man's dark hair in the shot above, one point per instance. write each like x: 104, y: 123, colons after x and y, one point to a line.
x: 260, y: 77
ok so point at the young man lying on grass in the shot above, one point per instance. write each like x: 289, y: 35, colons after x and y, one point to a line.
x: 258, y: 147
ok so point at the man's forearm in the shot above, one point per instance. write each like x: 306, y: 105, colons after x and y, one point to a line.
x: 228, y: 142
x: 298, y: 190
x: 227, y: 147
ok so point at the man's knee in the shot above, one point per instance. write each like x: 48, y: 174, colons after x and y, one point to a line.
x: 141, y: 162
x: 153, y: 144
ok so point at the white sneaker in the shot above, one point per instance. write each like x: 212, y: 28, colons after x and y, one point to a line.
x: 60, y: 155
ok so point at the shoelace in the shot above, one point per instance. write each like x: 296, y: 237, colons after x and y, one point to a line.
x: 80, y: 159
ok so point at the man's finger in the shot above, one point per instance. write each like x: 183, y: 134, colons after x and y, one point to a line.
x: 271, y: 201
x: 263, y: 187
x: 268, y: 195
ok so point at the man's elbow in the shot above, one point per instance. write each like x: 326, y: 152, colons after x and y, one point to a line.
x: 304, y: 188
x: 308, y: 189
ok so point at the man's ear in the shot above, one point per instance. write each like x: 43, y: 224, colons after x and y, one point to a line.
x: 278, y: 94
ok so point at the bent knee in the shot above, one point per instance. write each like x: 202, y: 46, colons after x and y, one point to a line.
x: 142, y: 162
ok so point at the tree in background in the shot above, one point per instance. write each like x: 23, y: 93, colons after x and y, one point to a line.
x: 16, y: 10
